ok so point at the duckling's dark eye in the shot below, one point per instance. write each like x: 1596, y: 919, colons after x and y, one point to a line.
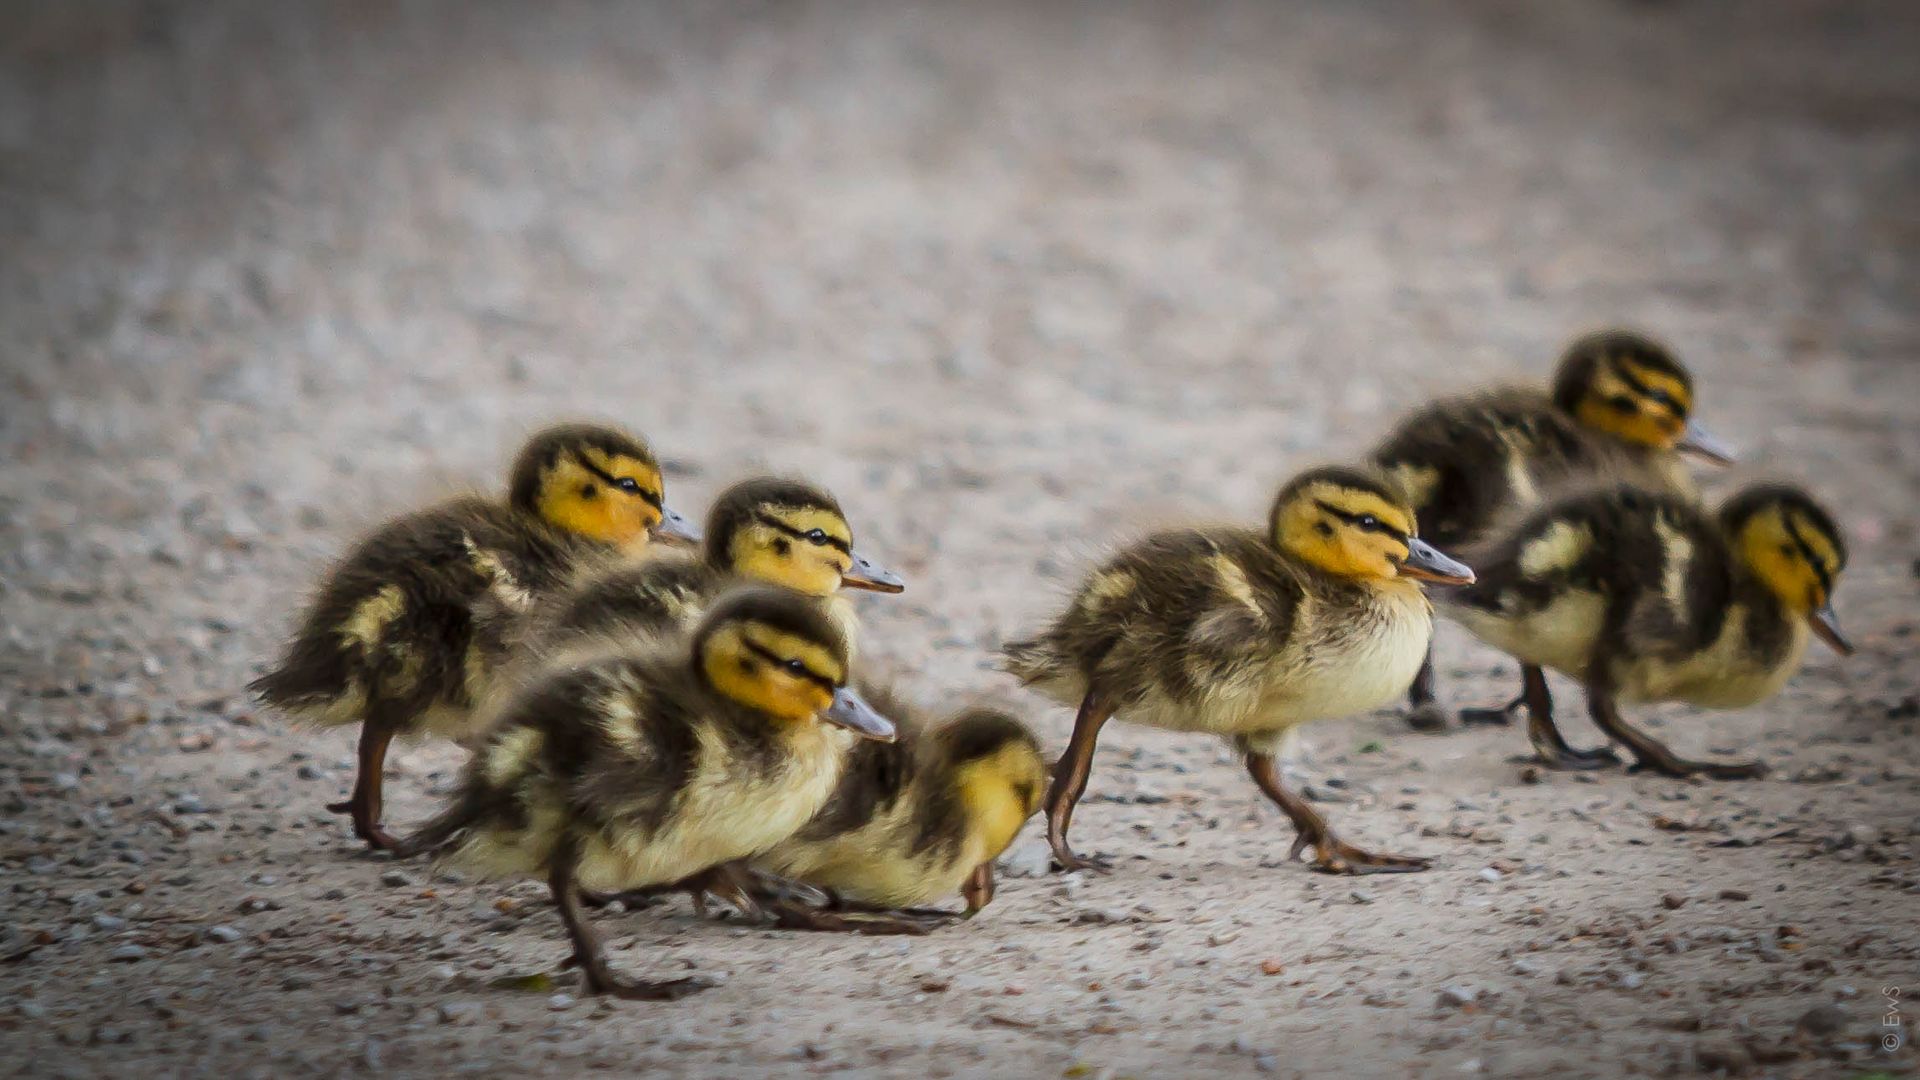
x: 1662, y: 397
x: 817, y: 537
x: 1623, y: 403
x: 1367, y: 521
x: 796, y: 667
x: 628, y: 484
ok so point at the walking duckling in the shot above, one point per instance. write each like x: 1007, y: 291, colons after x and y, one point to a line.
x: 389, y: 640
x: 619, y: 767
x: 1621, y: 406
x: 783, y: 532
x: 1646, y: 597
x: 916, y: 820
x: 1247, y: 634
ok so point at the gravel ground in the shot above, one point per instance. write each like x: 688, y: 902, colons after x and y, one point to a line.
x: 1016, y: 282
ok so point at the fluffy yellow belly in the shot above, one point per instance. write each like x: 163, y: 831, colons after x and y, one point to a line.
x: 1561, y: 636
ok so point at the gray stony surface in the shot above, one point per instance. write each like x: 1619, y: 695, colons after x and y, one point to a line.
x: 1016, y: 282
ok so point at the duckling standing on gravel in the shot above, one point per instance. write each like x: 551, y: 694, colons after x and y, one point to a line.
x: 1646, y: 597
x: 389, y: 640
x: 1247, y: 635
x: 620, y: 767
x: 916, y: 820
x: 1620, y: 406
x: 783, y: 532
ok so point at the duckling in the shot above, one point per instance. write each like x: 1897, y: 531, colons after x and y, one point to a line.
x: 389, y: 640
x: 784, y: 532
x: 1246, y: 635
x: 1620, y: 405
x: 1646, y: 597
x: 619, y: 767
x: 920, y: 818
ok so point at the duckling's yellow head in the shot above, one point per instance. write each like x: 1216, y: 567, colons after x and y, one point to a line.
x: 1355, y: 524
x: 1792, y: 545
x: 598, y: 482
x: 991, y: 750
x: 998, y: 776
x: 789, y: 533
x: 1633, y: 388
x: 777, y: 652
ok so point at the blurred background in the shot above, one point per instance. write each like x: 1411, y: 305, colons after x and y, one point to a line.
x: 1015, y: 280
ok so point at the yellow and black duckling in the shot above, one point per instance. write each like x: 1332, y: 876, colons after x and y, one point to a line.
x: 916, y: 820
x: 1620, y: 406
x: 783, y: 532
x: 618, y: 767
x: 389, y: 640
x: 1247, y: 634
x: 1647, y: 597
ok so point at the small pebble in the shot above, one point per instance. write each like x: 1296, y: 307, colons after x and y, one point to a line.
x: 395, y: 879
x: 223, y: 934
x: 127, y: 954
x: 1455, y: 997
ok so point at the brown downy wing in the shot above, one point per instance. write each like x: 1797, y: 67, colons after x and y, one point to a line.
x: 877, y: 774
x: 653, y: 596
x: 1675, y: 576
x: 408, y: 583
x: 1207, y: 606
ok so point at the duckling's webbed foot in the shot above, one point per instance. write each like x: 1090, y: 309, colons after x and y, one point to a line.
x: 588, y: 952
x: 1552, y: 747
x: 651, y: 990
x: 1651, y: 753
x: 1070, y: 782
x: 1332, y: 855
x: 793, y: 916
x: 1712, y: 770
x: 1495, y: 716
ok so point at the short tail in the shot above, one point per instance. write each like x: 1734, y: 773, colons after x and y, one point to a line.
x: 1028, y: 661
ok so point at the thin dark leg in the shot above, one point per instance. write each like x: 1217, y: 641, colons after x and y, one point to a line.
x: 1650, y: 753
x: 1332, y: 855
x: 979, y: 888
x: 1500, y: 715
x: 587, y: 950
x: 1070, y: 782
x: 364, y: 804
x: 1423, y: 711
x: 1554, y: 750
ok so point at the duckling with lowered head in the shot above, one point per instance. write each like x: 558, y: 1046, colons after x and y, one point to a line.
x: 1620, y: 406
x: 1246, y: 635
x: 1646, y: 597
x: 918, y: 819
x: 782, y: 532
x: 389, y: 640
x: 621, y: 766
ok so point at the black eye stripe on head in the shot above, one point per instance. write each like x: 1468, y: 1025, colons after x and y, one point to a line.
x: 775, y: 523
x: 631, y: 486
x: 777, y: 661
x: 1806, y: 552
x: 1654, y: 394
x: 1364, y: 522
